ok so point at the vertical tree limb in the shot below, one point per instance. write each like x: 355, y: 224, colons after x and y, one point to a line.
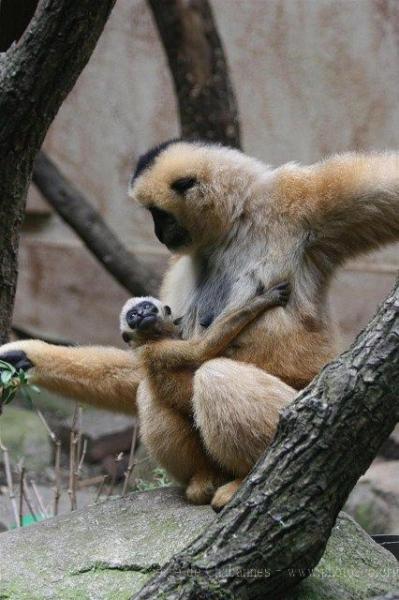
x: 279, y: 522
x: 36, y: 75
x: 206, y: 100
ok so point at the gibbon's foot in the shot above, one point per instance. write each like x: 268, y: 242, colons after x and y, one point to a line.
x: 17, y: 358
x: 200, y: 490
x: 224, y: 494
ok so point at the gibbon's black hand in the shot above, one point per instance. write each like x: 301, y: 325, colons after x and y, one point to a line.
x: 17, y: 358
x: 284, y: 292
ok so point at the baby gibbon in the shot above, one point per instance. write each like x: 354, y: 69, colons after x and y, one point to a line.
x: 231, y: 220
x: 169, y: 363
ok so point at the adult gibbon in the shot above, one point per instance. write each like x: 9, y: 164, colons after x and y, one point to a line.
x: 232, y: 221
x: 170, y: 363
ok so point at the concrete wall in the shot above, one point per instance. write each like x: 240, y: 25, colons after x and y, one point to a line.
x: 312, y: 77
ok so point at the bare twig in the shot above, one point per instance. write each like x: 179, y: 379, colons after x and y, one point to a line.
x: 131, y: 463
x: 39, y: 499
x: 28, y: 501
x: 57, y: 460
x: 21, y: 496
x: 73, y: 454
x: 10, y: 485
x: 57, y: 476
x: 47, y: 427
x: 111, y: 488
x: 82, y: 458
x: 100, y: 488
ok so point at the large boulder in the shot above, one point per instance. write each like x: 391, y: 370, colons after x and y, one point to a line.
x: 374, y: 501
x: 108, y: 551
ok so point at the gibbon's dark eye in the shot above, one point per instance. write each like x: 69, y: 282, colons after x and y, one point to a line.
x: 183, y: 184
x: 168, y: 310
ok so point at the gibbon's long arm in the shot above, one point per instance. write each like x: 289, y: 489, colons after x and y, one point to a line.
x: 349, y: 202
x: 105, y: 377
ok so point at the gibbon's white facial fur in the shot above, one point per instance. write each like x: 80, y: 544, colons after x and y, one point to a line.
x: 145, y: 318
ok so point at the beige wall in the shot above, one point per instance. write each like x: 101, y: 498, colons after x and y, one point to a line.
x: 312, y: 77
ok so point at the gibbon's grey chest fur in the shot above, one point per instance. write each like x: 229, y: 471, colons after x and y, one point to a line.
x: 211, y: 294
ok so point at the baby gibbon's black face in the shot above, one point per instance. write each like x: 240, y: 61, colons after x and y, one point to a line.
x: 145, y: 318
x: 142, y: 315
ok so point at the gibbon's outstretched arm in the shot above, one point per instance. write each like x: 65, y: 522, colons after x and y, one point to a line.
x: 350, y: 202
x: 105, y: 377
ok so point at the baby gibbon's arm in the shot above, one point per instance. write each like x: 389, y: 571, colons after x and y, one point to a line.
x: 103, y: 376
x: 349, y: 202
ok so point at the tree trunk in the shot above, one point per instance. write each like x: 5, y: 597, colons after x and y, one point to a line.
x: 205, y: 96
x: 275, y: 530
x: 35, y: 77
x: 78, y: 213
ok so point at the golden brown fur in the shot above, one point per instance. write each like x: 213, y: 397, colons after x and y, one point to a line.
x: 244, y: 218
x: 166, y: 393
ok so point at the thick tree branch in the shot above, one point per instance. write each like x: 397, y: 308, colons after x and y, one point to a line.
x: 36, y: 74
x: 207, y: 105
x: 278, y: 524
x: 92, y: 229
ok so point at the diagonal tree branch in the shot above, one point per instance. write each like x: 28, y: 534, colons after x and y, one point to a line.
x: 206, y: 100
x: 279, y: 522
x: 78, y: 213
x: 36, y: 75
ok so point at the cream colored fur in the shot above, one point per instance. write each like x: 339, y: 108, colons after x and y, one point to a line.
x: 296, y: 223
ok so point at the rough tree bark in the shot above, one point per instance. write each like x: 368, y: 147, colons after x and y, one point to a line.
x: 78, y: 213
x: 35, y: 77
x: 275, y: 530
x: 206, y: 100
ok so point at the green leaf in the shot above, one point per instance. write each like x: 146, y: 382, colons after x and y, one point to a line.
x: 7, y: 366
x: 5, y: 377
x: 22, y: 377
x: 7, y: 395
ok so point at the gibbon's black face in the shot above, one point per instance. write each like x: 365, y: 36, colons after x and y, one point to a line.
x: 168, y: 230
x: 171, y: 191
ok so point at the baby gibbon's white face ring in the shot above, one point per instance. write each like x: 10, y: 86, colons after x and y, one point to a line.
x: 141, y: 314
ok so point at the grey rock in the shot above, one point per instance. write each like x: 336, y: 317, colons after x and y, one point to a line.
x: 390, y: 448
x: 25, y: 437
x: 374, y: 501
x: 109, y: 551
